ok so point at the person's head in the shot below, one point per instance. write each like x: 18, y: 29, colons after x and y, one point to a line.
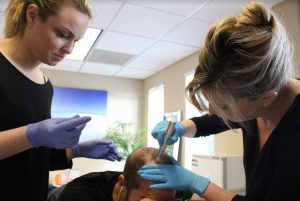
x: 49, y: 28
x: 134, y: 187
x: 245, y: 62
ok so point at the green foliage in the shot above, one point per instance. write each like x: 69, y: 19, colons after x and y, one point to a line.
x: 125, y: 139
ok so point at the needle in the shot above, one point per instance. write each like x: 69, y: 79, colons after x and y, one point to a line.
x: 168, y: 134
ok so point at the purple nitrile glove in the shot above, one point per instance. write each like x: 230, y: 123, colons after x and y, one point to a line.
x: 173, y: 177
x: 160, y: 129
x: 97, y: 149
x: 57, y: 133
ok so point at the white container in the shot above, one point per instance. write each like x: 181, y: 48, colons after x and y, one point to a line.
x: 225, y: 171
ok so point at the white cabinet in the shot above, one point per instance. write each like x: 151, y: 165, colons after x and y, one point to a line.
x: 225, y: 171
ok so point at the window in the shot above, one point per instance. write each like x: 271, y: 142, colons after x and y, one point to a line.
x: 155, y: 111
x: 201, y: 145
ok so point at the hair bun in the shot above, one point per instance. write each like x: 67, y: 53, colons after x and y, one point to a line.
x: 256, y: 14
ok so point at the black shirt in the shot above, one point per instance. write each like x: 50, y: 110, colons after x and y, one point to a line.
x: 95, y: 186
x: 24, y: 176
x: 272, y: 173
x: 98, y: 186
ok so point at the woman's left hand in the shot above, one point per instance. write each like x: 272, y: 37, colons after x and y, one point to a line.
x: 97, y: 149
x: 173, y: 177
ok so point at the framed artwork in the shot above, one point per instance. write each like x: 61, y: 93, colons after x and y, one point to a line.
x: 86, y: 102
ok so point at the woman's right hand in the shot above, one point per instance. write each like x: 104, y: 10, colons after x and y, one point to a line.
x: 160, y: 129
x: 56, y: 133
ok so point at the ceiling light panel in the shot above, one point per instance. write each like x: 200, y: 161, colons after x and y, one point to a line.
x: 135, y: 73
x: 160, y: 55
x: 123, y: 43
x: 140, y: 21
x: 83, y: 46
x: 65, y: 65
x: 104, y: 11
x: 100, y: 68
x: 193, y: 37
x: 178, y: 7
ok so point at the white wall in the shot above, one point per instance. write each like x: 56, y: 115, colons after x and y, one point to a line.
x: 289, y: 13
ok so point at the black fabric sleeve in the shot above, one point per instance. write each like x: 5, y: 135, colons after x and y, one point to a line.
x: 183, y: 195
x: 210, y: 124
x: 91, y: 187
x: 76, y: 191
x: 241, y: 198
x: 59, y: 160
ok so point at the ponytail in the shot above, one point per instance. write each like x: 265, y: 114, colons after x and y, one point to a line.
x: 15, y: 18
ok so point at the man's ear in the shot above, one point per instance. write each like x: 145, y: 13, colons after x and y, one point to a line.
x: 31, y: 13
x: 122, y: 189
x: 121, y: 180
x: 269, y: 98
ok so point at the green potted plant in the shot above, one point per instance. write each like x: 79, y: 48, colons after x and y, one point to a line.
x: 125, y: 139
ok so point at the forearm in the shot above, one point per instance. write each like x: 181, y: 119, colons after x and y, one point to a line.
x: 215, y: 193
x: 13, y: 142
x: 70, y: 153
x: 190, y: 128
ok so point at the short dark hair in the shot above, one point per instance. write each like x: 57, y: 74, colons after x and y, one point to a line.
x: 136, y: 160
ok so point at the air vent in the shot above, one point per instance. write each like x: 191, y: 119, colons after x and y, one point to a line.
x: 109, y: 57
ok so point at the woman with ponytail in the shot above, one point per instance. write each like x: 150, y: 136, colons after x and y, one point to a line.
x: 31, y: 142
x: 245, y: 72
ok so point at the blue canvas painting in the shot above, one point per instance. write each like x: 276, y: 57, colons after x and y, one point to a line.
x: 70, y: 101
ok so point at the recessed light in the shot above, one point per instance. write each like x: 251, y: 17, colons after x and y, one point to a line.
x: 83, y: 46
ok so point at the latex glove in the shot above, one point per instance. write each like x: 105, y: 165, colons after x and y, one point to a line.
x: 57, y: 133
x: 173, y: 177
x: 97, y: 149
x: 160, y: 129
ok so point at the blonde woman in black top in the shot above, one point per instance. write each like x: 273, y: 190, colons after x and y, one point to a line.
x: 245, y: 72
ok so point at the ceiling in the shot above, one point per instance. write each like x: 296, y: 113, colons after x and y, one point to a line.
x: 142, y: 37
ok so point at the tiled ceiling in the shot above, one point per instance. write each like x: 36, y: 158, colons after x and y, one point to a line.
x: 152, y: 34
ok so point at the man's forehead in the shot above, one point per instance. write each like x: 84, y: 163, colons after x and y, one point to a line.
x: 150, y: 199
x: 144, y: 193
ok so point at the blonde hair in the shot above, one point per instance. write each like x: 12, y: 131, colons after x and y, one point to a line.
x: 244, y: 56
x: 16, y: 12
